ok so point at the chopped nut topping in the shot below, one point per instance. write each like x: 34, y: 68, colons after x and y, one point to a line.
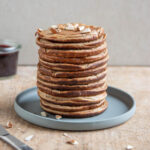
x: 58, y: 117
x: 129, y: 147
x: 54, y: 30
x: 73, y: 142
x: 39, y: 29
x: 58, y: 30
x: 9, y: 124
x: 43, y: 113
x: 69, y: 24
x: 61, y: 26
x: 76, y: 25
x: 29, y: 138
x: 86, y: 30
x: 94, y: 32
x: 69, y: 27
x: 54, y: 26
x: 80, y: 28
x: 100, y: 30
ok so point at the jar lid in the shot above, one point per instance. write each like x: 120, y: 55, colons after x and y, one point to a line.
x: 8, y: 46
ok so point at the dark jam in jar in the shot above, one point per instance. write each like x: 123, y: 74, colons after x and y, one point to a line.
x: 8, y: 59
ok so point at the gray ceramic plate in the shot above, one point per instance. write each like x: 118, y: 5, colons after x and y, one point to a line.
x: 121, y: 108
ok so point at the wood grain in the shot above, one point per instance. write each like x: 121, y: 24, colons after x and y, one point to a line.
x: 136, y: 132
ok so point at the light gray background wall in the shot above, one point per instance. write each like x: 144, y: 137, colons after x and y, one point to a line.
x: 126, y: 22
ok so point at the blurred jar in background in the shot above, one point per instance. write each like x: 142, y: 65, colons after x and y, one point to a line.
x: 9, y: 51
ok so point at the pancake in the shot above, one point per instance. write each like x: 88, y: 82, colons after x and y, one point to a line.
x: 70, y: 36
x: 73, y: 67
x: 72, y: 53
x: 72, y: 103
x: 75, y: 74
x: 72, y: 81
x: 81, y: 60
x: 72, y: 87
x: 85, y: 45
x: 70, y: 108
x: 76, y: 93
x: 79, y: 114
x: 82, y: 99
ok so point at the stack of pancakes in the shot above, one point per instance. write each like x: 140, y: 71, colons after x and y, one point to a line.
x: 71, y: 77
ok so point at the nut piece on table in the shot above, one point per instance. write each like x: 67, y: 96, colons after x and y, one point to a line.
x: 29, y: 138
x: 129, y: 147
x: 66, y: 135
x: 21, y: 130
x: 73, y: 142
x: 9, y: 124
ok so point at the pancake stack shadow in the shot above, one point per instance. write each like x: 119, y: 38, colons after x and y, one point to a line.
x: 71, y: 76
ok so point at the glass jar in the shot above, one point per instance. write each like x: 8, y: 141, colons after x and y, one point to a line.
x: 8, y: 57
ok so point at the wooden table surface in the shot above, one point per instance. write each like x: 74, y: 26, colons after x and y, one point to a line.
x: 135, y: 132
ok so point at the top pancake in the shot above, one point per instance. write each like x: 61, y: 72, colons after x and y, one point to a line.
x: 70, y: 36
x: 71, y: 32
